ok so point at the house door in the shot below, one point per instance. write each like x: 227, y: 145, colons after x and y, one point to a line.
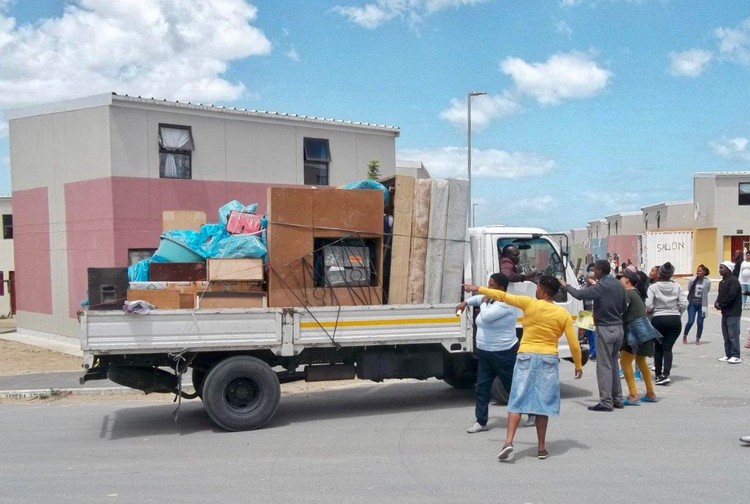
x: 740, y: 243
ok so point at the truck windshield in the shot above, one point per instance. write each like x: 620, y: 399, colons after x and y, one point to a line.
x: 537, y: 255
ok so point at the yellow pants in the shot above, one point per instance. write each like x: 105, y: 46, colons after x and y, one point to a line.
x: 626, y: 363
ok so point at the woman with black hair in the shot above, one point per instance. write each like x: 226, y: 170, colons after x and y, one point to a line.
x: 698, y: 288
x: 666, y: 302
x: 536, y: 381
x: 635, y: 346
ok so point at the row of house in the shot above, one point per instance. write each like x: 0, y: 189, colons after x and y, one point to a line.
x: 92, y: 177
x: 708, y: 229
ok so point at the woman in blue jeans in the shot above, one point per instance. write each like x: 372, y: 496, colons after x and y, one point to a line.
x: 698, y: 288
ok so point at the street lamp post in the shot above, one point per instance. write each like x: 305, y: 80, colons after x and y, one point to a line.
x: 468, y: 155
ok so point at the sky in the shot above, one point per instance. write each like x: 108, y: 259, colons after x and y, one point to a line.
x: 593, y: 107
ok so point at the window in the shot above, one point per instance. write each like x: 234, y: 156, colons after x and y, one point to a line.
x: 175, y: 151
x: 7, y: 227
x: 137, y: 255
x: 744, y: 196
x: 617, y: 226
x: 537, y: 256
x: 317, y: 158
x: 645, y: 218
x: 658, y: 219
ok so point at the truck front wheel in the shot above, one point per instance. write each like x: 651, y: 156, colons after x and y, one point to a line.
x: 499, y: 392
x: 241, y: 393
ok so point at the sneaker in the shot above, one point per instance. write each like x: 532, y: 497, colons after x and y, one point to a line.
x: 652, y: 368
x: 734, y: 360
x: 543, y: 454
x: 599, y: 407
x: 663, y: 380
x: 745, y: 439
x: 505, y: 452
x: 477, y: 427
x: 724, y: 359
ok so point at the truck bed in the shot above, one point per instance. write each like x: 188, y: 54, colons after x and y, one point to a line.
x: 283, y: 331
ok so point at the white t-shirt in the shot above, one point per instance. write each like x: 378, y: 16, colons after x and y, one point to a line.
x: 745, y: 272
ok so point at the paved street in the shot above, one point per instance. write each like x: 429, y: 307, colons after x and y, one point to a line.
x: 395, y: 442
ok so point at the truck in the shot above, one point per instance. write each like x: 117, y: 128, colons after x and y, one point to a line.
x: 237, y: 358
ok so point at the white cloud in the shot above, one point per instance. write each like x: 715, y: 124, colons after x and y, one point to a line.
x: 690, y: 63
x: 373, y: 15
x: 536, y: 204
x: 735, y: 149
x: 562, y: 76
x: 734, y: 43
x: 490, y: 163
x: 292, y: 54
x: 484, y: 109
x: 163, y: 48
x: 564, y: 28
x: 611, y: 200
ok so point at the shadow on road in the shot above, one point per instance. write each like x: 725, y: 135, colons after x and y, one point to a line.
x: 361, y: 401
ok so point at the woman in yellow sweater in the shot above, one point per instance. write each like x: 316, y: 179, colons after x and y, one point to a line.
x: 536, y: 380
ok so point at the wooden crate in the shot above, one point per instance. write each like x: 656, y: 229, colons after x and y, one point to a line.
x: 164, y: 299
x: 235, y: 269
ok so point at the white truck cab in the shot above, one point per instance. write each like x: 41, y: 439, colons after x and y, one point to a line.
x: 540, y: 253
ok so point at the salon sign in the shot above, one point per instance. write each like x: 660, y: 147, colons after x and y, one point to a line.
x: 673, y: 246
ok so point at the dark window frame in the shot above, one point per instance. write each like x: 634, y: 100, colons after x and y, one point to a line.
x: 7, y: 226
x: 743, y: 198
x: 145, y: 253
x: 182, y: 153
x: 317, y: 156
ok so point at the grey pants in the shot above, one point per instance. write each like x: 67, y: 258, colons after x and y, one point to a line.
x: 608, y: 343
x: 730, y: 329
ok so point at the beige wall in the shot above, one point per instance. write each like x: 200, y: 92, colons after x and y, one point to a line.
x: 244, y: 148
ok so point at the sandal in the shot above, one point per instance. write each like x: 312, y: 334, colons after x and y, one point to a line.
x: 646, y: 398
x: 542, y: 454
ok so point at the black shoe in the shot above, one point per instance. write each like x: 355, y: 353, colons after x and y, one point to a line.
x: 663, y: 380
x: 599, y: 407
x: 619, y: 406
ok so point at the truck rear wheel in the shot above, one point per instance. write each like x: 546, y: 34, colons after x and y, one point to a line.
x: 241, y: 393
x: 499, y: 393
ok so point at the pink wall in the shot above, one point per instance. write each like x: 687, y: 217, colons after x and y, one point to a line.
x: 625, y: 246
x: 106, y: 217
x: 31, y: 242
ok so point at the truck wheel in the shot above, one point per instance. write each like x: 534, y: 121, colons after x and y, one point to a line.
x: 460, y: 381
x: 499, y: 393
x: 198, y: 376
x: 241, y: 393
x: 584, y: 356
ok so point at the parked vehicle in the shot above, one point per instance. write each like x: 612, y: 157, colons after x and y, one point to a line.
x: 238, y: 358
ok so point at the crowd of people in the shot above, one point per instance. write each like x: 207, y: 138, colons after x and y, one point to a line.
x: 636, y: 316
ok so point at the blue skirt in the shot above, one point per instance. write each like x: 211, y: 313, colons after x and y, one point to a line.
x: 536, y: 385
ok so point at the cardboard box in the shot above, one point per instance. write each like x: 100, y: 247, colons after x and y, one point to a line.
x: 212, y: 300
x: 183, y: 219
x: 235, y: 269
x: 164, y: 299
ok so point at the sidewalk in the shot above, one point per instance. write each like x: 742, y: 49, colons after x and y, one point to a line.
x: 52, y: 383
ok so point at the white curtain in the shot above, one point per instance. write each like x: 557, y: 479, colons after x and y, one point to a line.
x: 175, y: 139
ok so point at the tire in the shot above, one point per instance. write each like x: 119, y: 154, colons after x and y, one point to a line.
x: 498, y: 392
x: 241, y: 393
x: 584, y: 356
x: 460, y: 382
x: 198, y: 377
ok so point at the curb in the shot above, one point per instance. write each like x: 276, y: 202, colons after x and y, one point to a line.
x: 63, y: 392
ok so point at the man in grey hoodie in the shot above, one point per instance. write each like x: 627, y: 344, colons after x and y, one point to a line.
x: 610, y: 302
